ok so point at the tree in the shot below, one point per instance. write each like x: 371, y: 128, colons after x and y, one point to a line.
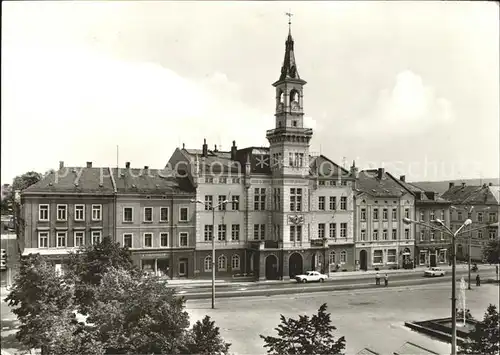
x: 204, y: 338
x: 137, y: 315
x: 491, y: 252
x: 88, y: 265
x: 484, y: 339
x: 305, y: 336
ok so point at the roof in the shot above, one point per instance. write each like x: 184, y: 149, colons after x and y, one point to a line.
x: 150, y: 181
x: 367, y: 351
x: 74, y: 180
x: 387, y: 186
x: 324, y: 167
x: 289, y: 67
x: 473, y: 195
x: 412, y: 348
x: 424, y: 196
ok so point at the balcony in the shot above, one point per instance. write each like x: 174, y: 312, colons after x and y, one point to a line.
x: 290, y: 130
x: 319, y: 242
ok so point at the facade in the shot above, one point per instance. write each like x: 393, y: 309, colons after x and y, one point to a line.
x: 382, y: 240
x: 68, y: 208
x: 155, y: 220
x: 288, y: 211
x: 431, y: 247
x: 482, y: 205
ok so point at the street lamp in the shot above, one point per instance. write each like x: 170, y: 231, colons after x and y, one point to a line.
x: 211, y: 207
x: 453, y: 272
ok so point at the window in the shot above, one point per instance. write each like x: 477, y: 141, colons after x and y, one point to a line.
x: 394, y: 234
x: 391, y: 256
x: 479, y: 234
x: 163, y: 214
x: 394, y: 214
x: 235, y: 232
x: 384, y: 234
x: 79, y: 212
x: 183, y: 214
x: 442, y: 256
x: 43, y: 212
x: 422, y: 215
x: 492, y: 217
x: 321, y: 183
x: 127, y: 240
x: 222, y: 180
x: 480, y: 216
x: 385, y: 214
x: 61, y: 239
x: 222, y: 229
x: 343, y: 230
x: 209, y: 202
x: 321, y: 230
x: 343, y: 203
x: 333, y: 230
x: 183, y: 239
x: 422, y: 235
x: 295, y: 199
x: 259, y: 231
x: 259, y: 199
x: 163, y: 240
x: 407, y: 213
x: 333, y: 203
x: 459, y: 216
x: 343, y: 257
x: 209, y: 180
x: 407, y: 234
x: 375, y: 234
x: 62, y: 212
x: 377, y: 257
x: 148, y: 214
x: 235, y: 180
x: 441, y: 235
x: 296, y: 232
x: 43, y: 239
x: 235, y: 203
x: 331, y: 258
x: 148, y: 240
x: 321, y: 203
x: 96, y: 237
x: 295, y: 159
x: 277, y: 199
x: 235, y: 262
x: 375, y: 214
x: 433, y: 235
x: 423, y: 258
x: 493, y: 234
x: 209, y: 232
x: 363, y: 214
x: 362, y: 235
x: 222, y: 206
x: 79, y: 238
x: 97, y: 213
x: 127, y: 214
x: 432, y: 216
x: 222, y: 263
x: 207, y: 263
x: 443, y: 215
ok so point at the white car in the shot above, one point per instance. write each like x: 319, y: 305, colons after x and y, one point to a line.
x: 434, y: 271
x: 311, y: 276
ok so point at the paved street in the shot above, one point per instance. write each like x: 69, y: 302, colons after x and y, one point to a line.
x: 367, y: 318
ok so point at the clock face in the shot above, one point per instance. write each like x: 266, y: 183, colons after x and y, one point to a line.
x: 279, y: 108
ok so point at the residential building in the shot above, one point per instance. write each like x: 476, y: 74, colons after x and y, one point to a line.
x: 68, y: 208
x: 155, y: 220
x: 289, y: 211
x: 482, y: 205
x: 381, y: 239
x: 432, y: 247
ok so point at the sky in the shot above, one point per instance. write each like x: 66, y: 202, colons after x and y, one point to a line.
x: 409, y: 86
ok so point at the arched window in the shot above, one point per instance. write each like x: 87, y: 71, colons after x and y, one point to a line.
x: 281, y: 97
x: 207, y: 263
x: 331, y: 258
x: 222, y: 263
x: 235, y: 262
x: 294, y: 96
x: 343, y: 257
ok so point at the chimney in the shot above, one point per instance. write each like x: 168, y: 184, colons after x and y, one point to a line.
x: 452, y: 184
x: 205, y: 148
x: 380, y: 174
x: 463, y: 184
x: 354, y: 170
x: 490, y: 184
x: 146, y: 167
x: 402, y: 178
x: 484, y: 185
x: 89, y: 164
x: 233, y: 151
x: 215, y: 149
x: 127, y: 165
x: 61, y: 164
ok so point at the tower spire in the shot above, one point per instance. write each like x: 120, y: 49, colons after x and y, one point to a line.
x: 289, y: 68
x: 289, y: 14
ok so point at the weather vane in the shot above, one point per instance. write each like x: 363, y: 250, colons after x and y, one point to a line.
x: 289, y: 14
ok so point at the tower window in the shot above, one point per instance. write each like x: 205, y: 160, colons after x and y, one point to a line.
x: 294, y: 123
x: 294, y: 96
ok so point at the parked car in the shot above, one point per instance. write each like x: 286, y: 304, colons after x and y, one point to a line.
x: 434, y: 271
x: 311, y: 276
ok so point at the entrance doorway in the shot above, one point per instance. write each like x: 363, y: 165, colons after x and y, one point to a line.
x: 183, y: 265
x: 271, y: 267
x: 433, y: 258
x: 363, y: 260
x: 295, y: 265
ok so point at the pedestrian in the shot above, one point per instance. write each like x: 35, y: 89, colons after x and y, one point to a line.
x: 478, y: 280
x: 386, y: 280
x: 377, y: 279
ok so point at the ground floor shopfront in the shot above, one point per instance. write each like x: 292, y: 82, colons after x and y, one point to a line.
x: 384, y: 257
x: 172, y: 263
x: 432, y: 255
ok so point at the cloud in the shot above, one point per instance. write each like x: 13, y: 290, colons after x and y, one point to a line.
x: 97, y: 102
x: 410, y: 107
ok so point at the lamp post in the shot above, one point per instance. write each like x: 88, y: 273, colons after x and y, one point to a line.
x: 453, y: 272
x: 211, y: 207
